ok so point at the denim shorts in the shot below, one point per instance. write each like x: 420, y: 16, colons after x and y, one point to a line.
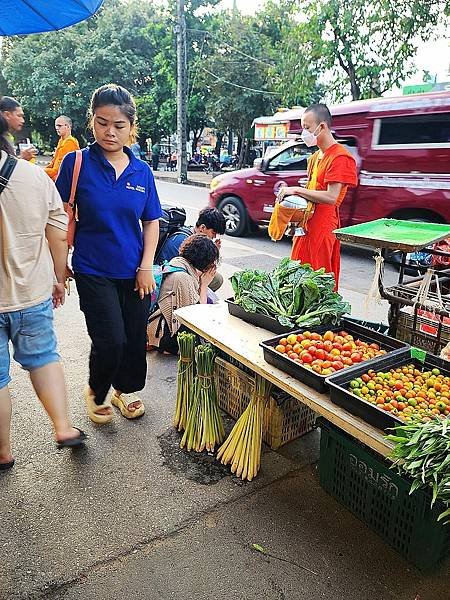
x: 33, y: 339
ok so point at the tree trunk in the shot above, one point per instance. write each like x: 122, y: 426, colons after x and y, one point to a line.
x: 219, y: 143
x: 230, y: 142
x: 239, y: 144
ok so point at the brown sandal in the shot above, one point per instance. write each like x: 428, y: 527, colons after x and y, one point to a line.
x: 93, y: 408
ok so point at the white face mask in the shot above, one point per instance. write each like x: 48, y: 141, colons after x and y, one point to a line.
x: 309, y: 138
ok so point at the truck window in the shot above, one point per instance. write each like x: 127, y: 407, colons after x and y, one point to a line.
x: 291, y: 159
x: 419, y: 131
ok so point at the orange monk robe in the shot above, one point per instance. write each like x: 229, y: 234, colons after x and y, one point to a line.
x: 319, y: 247
x: 64, y: 147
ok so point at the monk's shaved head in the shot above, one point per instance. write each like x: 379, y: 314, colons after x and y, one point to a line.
x: 321, y: 113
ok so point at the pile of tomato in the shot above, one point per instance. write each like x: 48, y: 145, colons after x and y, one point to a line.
x: 406, y: 392
x: 328, y: 352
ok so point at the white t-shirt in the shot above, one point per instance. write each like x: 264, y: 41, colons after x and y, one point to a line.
x: 28, y: 204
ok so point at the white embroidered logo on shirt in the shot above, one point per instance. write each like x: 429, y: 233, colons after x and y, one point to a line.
x: 137, y: 188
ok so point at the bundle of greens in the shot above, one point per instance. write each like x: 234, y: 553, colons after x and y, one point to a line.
x: 422, y: 451
x: 242, y: 448
x: 293, y: 293
x: 204, y: 427
x: 185, y: 378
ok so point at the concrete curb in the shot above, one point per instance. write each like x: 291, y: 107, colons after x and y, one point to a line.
x: 188, y: 182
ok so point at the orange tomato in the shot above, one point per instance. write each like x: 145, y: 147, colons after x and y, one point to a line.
x: 280, y: 348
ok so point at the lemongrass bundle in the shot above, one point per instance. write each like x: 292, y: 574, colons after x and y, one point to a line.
x: 185, y: 378
x: 204, y: 428
x: 242, y: 448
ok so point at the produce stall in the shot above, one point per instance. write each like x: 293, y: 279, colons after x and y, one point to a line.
x: 420, y: 307
x: 376, y: 397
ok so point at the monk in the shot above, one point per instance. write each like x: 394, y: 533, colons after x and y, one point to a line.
x: 67, y: 143
x: 331, y: 170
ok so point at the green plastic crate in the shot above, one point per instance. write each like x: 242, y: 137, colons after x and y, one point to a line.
x: 363, y: 482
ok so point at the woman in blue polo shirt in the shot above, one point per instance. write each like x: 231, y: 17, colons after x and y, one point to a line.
x: 115, y: 241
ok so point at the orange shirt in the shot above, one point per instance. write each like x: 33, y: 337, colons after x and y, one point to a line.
x: 64, y: 147
x: 336, y: 165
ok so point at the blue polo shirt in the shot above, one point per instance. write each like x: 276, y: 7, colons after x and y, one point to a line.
x: 108, y: 238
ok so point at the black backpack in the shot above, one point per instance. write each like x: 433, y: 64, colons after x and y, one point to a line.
x: 172, y: 221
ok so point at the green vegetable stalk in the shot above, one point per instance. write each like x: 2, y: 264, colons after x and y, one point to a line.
x: 422, y: 451
x: 185, y: 378
x: 204, y: 427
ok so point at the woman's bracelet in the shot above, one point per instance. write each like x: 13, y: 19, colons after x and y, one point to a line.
x: 142, y: 269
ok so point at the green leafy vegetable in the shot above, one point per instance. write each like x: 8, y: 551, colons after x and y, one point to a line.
x: 293, y: 293
x: 422, y: 451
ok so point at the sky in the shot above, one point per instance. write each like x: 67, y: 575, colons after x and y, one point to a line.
x: 431, y: 56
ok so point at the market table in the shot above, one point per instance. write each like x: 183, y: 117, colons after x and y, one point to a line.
x: 241, y: 341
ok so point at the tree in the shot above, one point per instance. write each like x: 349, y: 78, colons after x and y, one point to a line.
x: 57, y: 72
x: 367, y: 47
x: 236, y: 74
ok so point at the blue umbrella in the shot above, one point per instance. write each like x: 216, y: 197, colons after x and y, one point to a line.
x: 19, y: 17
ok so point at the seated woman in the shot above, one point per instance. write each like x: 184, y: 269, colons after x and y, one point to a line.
x: 197, y: 262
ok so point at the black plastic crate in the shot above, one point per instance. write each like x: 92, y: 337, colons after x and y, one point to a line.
x: 365, y: 484
x: 315, y: 380
x: 339, y: 384
x: 258, y: 319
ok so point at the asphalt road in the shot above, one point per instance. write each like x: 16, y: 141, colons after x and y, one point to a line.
x: 258, y: 251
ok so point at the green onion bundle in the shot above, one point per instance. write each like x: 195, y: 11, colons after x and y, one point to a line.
x: 185, y: 378
x: 422, y: 451
x: 204, y: 427
x: 242, y: 448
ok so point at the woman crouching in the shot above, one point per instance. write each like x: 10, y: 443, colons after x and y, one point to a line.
x: 185, y: 282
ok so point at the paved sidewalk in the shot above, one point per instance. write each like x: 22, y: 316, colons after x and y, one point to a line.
x: 197, y: 178
x: 132, y: 516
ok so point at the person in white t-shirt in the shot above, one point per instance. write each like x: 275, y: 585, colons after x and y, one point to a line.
x: 33, y: 247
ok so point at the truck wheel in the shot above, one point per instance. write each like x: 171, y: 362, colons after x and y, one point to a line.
x: 235, y: 214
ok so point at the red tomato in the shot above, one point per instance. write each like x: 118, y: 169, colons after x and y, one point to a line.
x: 320, y: 354
x: 327, y: 345
x: 356, y: 357
x: 300, y: 337
x: 338, y: 365
x: 319, y: 345
x: 312, y: 350
x: 307, y: 358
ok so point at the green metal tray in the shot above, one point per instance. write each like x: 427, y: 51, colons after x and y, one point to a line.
x: 408, y: 236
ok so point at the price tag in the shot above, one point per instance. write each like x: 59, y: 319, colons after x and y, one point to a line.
x: 419, y: 354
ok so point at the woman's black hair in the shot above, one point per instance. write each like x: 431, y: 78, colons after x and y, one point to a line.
x: 8, y: 104
x: 200, y: 251
x: 116, y: 95
x: 4, y: 144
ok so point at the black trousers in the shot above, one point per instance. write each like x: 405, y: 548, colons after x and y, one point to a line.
x: 116, y: 320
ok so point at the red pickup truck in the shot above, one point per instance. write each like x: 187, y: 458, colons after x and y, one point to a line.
x: 402, y: 148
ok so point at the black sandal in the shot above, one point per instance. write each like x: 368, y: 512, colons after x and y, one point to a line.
x: 73, y: 442
x: 6, y: 466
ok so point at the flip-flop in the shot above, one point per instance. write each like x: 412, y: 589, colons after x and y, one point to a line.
x: 73, y: 442
x: 6, y: 466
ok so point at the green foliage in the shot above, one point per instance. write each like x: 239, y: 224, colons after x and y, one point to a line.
x: 127, y: 43
x: 367, y: 46
x: 293, y: 293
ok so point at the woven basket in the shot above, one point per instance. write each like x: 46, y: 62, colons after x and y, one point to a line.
x: 284, y: 419
x: 424, y: 335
